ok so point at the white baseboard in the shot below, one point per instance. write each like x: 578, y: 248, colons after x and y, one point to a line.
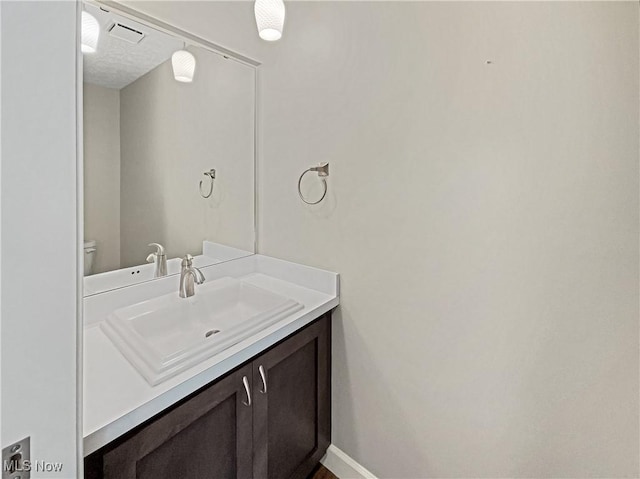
x: 344, y: 466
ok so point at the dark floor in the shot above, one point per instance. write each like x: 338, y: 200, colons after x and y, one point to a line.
x: 322, y: 472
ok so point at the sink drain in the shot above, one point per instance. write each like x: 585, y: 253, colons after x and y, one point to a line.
x: 211, y: 332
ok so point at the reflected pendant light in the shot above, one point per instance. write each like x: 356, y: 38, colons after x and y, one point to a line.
x: 90, y: 33
x: 184, y: 66
x: 269, y: 19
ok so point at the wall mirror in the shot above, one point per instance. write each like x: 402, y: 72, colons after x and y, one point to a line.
x: 169, y: 154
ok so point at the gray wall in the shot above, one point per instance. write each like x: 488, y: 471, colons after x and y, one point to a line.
x: 40, y: 237
x: 102, y: 174
x: 484, y: 219
x: 170, y: 134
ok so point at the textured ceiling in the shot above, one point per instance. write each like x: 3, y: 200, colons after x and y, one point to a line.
x: 116, y: 62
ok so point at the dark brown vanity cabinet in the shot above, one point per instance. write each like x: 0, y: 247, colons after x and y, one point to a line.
x: 292, y: 418
x: 269, y: 418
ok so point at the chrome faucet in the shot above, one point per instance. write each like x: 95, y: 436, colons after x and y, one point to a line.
x: 189, y: 275
x: 159, y: 259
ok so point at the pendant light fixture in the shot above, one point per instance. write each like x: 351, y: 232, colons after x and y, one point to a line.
x: 90, y: 33
x: 269, y: 19
x: 184, y: 66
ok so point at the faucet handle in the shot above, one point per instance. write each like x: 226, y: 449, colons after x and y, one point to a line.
x: 187, y: 261
x: 159, y: 249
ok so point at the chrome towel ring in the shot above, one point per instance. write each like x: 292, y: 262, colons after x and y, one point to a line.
x: 323, y: 172
x: 212, y: 176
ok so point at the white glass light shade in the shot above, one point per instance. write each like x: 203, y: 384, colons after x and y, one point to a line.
x: 184, y: 66
x: 269, y: 19
x: 90, y: 33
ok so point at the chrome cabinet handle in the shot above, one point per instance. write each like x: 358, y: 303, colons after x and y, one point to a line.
x: 245, y: 381
x: 264, y: 380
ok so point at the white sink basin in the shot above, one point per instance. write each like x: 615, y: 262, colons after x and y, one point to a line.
x: 166, y: 335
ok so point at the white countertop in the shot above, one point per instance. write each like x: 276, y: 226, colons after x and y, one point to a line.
x: 117, y: 398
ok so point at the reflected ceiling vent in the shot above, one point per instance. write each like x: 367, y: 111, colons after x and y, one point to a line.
x: 126, y: 33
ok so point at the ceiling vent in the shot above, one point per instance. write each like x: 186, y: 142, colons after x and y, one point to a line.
x: 126, y: 33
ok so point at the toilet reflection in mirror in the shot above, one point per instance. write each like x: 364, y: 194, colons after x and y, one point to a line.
x: 147, y: 141
x: 89, y: 254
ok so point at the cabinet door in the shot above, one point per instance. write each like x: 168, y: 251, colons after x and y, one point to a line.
x: 208, y: 436
x: 291, y: 419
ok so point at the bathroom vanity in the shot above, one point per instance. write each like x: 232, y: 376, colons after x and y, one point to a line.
x: 259, y: 408
x: 268, y: 418
x: 234, y: 380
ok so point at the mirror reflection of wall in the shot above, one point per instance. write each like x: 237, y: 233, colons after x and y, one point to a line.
x: 149, y: 139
